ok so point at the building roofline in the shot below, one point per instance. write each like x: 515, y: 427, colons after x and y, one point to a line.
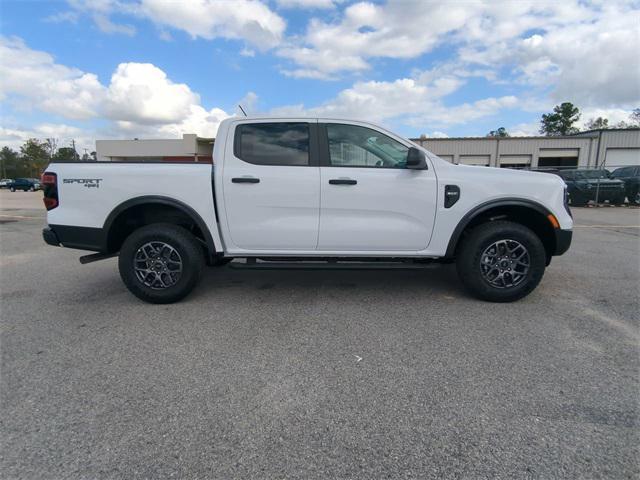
x: 493, y: 138
x: 536, y: 137
x: 597, y: 130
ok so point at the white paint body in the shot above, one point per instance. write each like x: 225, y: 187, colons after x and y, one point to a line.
x: 295, y: 211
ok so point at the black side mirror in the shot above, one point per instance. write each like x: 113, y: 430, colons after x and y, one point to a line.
x: 416, y: 159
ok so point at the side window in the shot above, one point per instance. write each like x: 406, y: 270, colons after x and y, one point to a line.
x: 272, y: 143
x: 354, y: 146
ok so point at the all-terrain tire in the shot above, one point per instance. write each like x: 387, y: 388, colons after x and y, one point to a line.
x: 577, y: 200
x: 481, y: 238
x: 618, y: 200
x: 146, y: 242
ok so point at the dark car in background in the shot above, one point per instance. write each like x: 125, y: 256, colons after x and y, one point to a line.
x: 631, y: 177
x: 24, y: 184
x: 595, y: 184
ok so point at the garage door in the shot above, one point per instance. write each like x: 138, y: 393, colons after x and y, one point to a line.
x: 515, y: 161
x: 621, y: 157
x: 474, y: 159
x: 448, y: 158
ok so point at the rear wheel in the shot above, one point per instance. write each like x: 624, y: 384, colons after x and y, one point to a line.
x: 13, y: 189
x: 160, y: 263
x: 32, y: 189
x: 501, y: 261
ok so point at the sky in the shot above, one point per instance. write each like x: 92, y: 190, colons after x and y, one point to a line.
x: 87, y: 70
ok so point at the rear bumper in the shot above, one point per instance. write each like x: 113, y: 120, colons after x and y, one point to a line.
x: 563, y: 240
x: 50, y: 237
x: 82, y: 238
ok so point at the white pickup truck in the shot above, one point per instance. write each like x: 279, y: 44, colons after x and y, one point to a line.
x: 309, y: 190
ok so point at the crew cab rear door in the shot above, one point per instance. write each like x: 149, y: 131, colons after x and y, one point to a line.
x: 271, y: 185
x: 370, y: 201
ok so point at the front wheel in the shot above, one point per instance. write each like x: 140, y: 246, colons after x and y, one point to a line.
x: 161, y: 263
x: 618, y: 199
x: 576, y: 199
x: 501, y: 261
x: 32, y: 189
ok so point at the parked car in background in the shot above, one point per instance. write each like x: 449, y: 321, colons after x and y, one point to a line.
x: 631, y: 178
x: 24, y: 184
x: 593, y: 184
x: 4, y: 183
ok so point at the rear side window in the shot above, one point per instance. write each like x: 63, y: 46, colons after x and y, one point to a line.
x: 273, y: 143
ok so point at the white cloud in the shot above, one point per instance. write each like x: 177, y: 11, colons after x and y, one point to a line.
x: 578, y: 51
x: 614, y: 115
x: 100, y: 12
x: 39, y: 82
x: 366, y: 30
x: 142, y: 93
x: 307, y: 4
x: 527, y: 129
x: 104, y: 23
x: 248, y: 102
x: 413, y: 102
x: 250, y: 20
x: 247, y: 52
x: 140, y: 98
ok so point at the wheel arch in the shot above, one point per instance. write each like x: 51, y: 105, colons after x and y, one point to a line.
x: 523, y: 211
x: 117, y: 229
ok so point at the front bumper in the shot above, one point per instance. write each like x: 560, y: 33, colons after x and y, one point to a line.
x: 563, y: 240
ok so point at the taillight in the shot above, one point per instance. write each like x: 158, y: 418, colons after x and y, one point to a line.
x: 49, y: 182
x: 566, y: 201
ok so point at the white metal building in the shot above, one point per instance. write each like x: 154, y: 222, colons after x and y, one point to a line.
x: 609, y: 148
x: 190, y: 148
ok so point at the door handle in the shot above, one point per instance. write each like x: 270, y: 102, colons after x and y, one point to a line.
x: 342, y: 181
x: 245, y: 180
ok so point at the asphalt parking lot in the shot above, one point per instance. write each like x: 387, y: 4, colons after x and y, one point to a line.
x: 319, y: 374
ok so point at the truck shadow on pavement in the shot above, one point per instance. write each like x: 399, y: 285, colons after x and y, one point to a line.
x: 437, y: 279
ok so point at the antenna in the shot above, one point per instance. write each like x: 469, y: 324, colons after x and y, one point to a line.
x: 240, y: 106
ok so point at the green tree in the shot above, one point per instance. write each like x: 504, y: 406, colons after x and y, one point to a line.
x: 561, y: 120
x: 36, y: 157
x: 10, y: 164
x: 597, y: 124
x: 500, y: 132
x: 65, y: 154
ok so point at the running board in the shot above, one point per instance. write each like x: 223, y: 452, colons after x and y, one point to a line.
x: 94, y: 257
x: 320, y: 265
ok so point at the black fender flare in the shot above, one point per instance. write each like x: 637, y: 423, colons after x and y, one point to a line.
x: 159, y: 200
x: 483, y: 207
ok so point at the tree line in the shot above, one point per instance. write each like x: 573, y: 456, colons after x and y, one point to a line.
x: 562, y: 121
x: 34, y: 156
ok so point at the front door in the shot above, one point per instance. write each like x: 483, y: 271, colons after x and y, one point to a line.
x: 370, y: 201
x: 271, y: 186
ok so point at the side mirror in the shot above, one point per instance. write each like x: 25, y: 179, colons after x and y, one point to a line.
x: 416, y: 159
